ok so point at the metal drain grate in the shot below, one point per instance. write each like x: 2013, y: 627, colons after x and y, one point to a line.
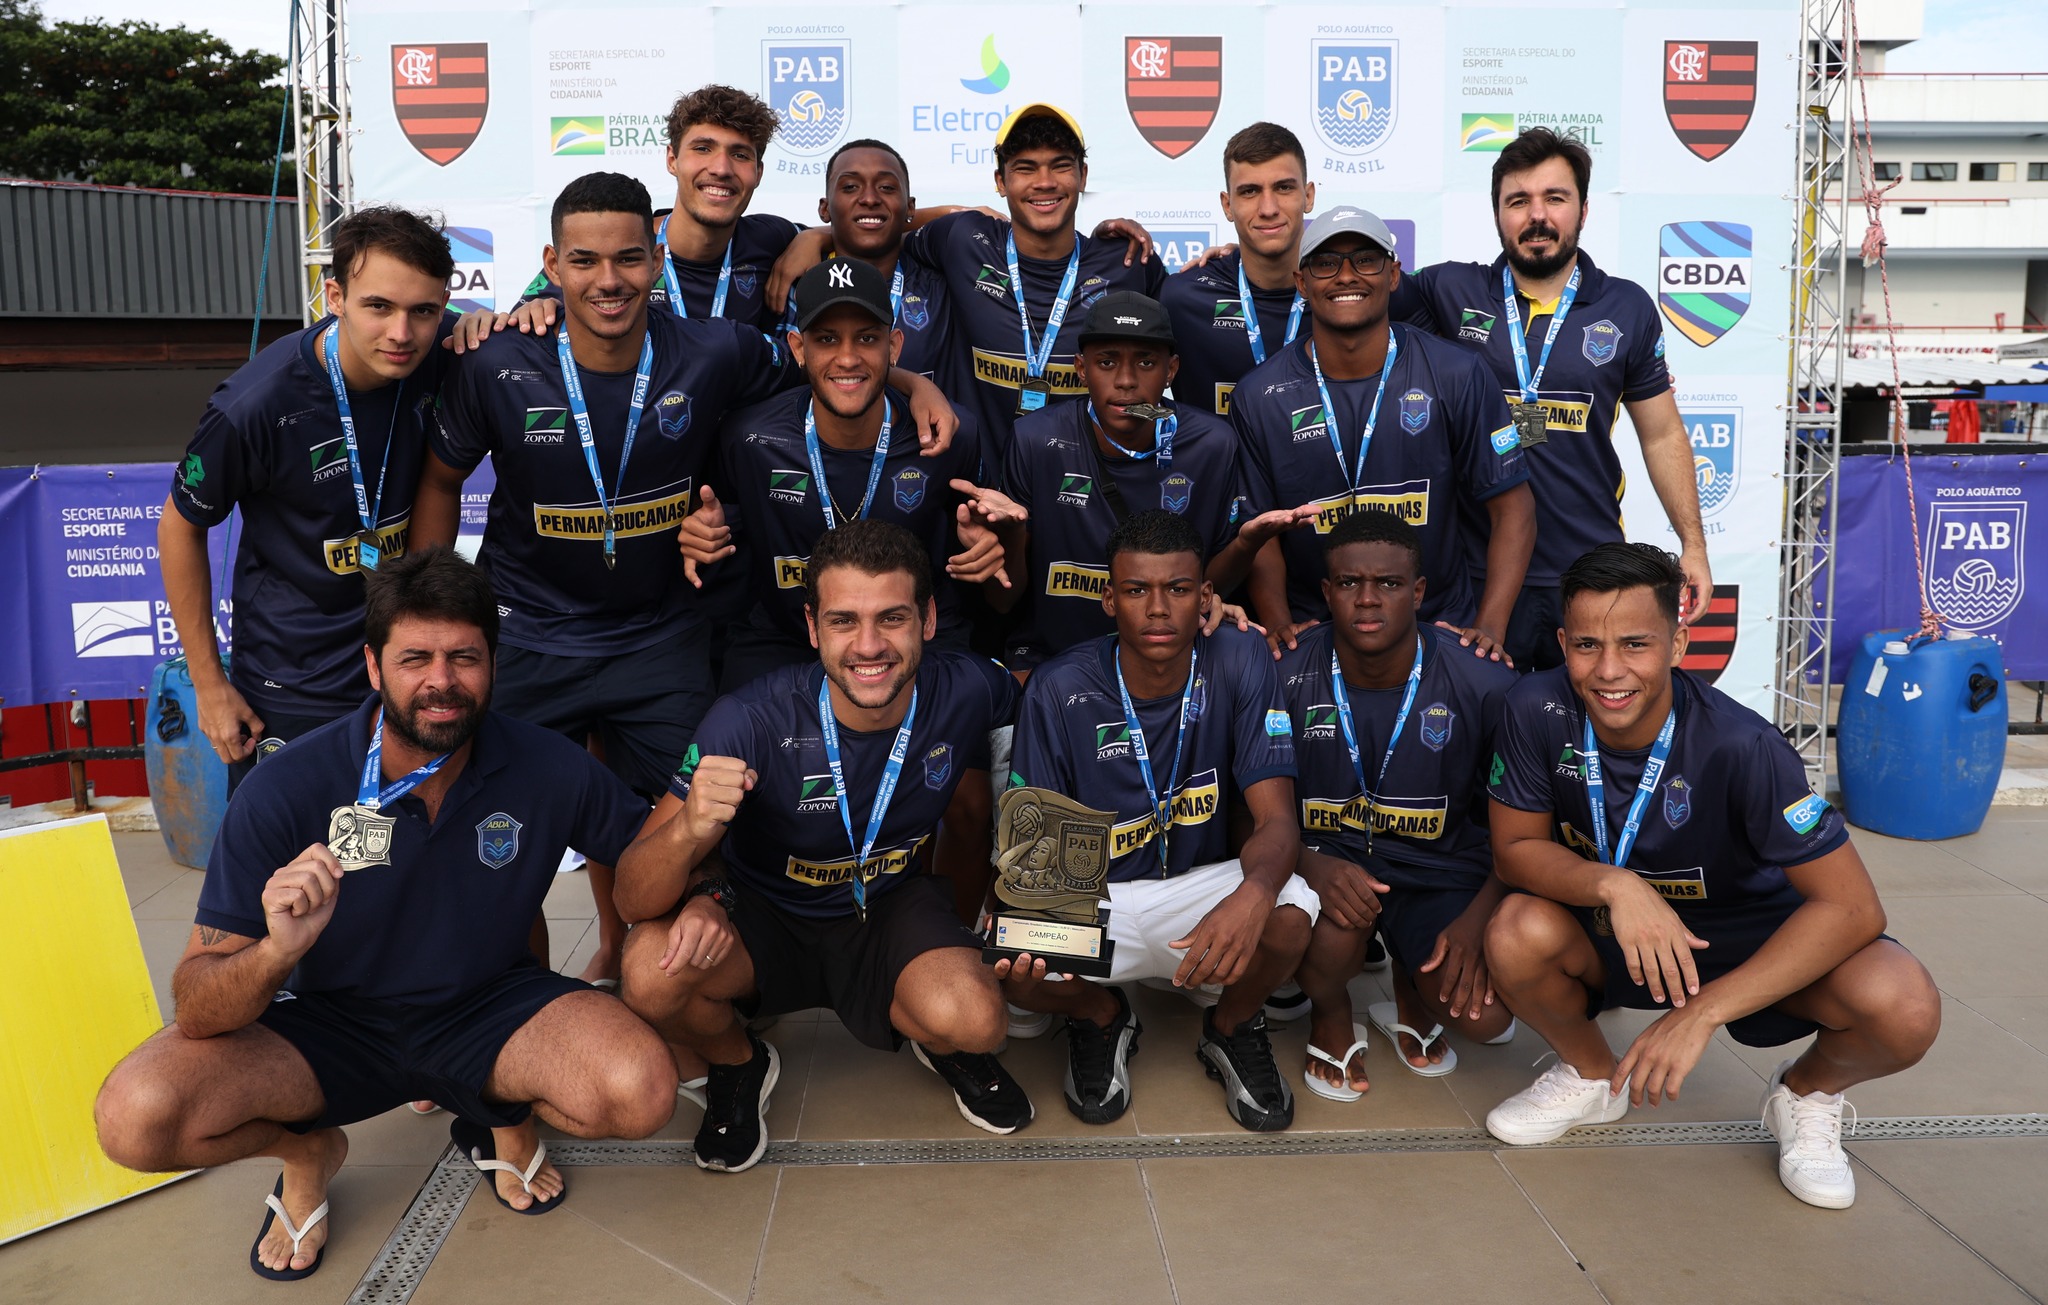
x: 395, y: 1274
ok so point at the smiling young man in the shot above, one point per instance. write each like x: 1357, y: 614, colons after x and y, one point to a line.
x: 1567, y: 384
x: 838, y: 450
x: 1362, y: 413
x: 319, y: 441
x: 1393, y: 731
x: 1672, y: 857
x: 1082, y: 467
x: 804, y: 853
x: 1158, y: 723
x: 1230, y: 313
x: 361, y: 940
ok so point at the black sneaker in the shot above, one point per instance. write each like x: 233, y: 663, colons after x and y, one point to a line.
x: 986, y: 1094
x: 1098, y: 1087
x: 732, y: 1137
x: 1288, y: 1002
x: 1376, y: 958
x: 1242, y: 1061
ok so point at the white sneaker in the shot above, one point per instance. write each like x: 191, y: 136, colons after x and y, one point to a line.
x: 1556, y: 1103
x: 1811, y: 1162
x: 1029, y: 1023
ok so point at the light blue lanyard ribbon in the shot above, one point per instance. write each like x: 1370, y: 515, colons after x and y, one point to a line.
x: 1163, y: 431
x: 1519, y: 343
x: 674, y: 283
x: 1252, y: 334
x: 818, y: 462
x: 891, y: 772
x: 1162, y: 806
x: 367, y: 508
x: 573, y: 383
x: 1038, y: 354
x: 1596, y: 789
x: 1350, y: 729
x: 896, y: 296
x: 371, y: 797
x: 1354, y: 477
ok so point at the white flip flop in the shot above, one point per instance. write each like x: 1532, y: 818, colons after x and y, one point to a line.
x: 1386, y: 1016
x: 1507, y: 1035
x: 1341, y: 1091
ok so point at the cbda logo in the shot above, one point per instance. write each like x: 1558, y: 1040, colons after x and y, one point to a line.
x: 1704, y: 277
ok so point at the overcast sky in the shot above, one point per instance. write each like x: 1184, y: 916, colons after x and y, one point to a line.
x: 1959, y: 35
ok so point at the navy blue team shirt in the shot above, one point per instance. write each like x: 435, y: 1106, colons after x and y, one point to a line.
x: 757, y: 241
x: 931, y: 348
x: 1428, y: 823
x: 544, y: 536
x: 1052, y: 474
x: 1209, y: 330
x: 1732, y: 810
x: 453, y: 908
x: 969, y: 250
x: 787, y: 842
x: 1072, y: 738
x: 769, y: 475
x: 1609, y: 352
x: 270, y: 442
x: 1443, y: 445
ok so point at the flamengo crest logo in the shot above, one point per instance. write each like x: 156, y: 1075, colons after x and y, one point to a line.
x: 441, y: 94
x: 806, y: 86
x: 1354, y: 87
x: 1713, y: 635
x: 1709, y: 91
x: 1704, y: 274
x: 1976, y: 571
x: 1172, y: 87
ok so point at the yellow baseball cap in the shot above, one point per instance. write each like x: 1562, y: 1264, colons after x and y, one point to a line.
x: 1039, y: 111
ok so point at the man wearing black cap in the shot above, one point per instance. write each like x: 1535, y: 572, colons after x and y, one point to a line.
x: 1361, y: 413
x: 840, y: 449
x: 1083, y: 466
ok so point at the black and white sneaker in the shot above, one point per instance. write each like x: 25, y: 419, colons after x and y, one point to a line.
x: 1288, y: 1002
x: 1376, y: 958
x: 1098, y: 1087
x: 986, y: 1094
x: 732, y: 1136
x: 1242, y: 1061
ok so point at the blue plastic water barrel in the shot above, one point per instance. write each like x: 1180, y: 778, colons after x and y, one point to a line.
x: 188, y: 782
x: 1922, y: 736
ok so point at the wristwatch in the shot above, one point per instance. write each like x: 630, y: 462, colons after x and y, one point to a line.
x: 719, y: 890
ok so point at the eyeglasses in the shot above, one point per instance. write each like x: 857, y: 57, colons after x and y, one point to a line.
x: 1324, y: 264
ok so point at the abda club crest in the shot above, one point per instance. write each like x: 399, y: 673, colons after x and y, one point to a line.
x: 1976, y: 572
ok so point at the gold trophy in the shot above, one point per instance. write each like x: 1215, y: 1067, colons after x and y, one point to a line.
x: 1052, y: 857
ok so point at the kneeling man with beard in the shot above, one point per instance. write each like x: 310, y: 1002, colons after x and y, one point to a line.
x: 361, y: 939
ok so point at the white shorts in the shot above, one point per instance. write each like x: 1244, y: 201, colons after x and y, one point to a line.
x: 1147, y: 914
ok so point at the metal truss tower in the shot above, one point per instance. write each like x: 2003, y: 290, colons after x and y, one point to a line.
x: 1813, y: 451
x: 320, y: 137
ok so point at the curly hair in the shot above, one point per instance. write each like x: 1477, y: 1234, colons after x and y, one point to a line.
x: 722, y: 106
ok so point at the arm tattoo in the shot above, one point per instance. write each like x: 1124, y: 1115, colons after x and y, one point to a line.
x: 210, y: 936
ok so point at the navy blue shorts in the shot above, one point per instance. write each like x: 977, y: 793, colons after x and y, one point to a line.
x: 279, y: 728
x: 644, y: 705
x: 370, y: 1056
x: 1735, y: 933
x: 1531, y: 637
x: 1411, y: 919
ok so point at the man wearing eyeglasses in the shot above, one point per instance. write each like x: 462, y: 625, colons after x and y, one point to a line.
x: 1363, y: 413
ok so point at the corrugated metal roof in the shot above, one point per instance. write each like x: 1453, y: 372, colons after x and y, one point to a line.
x: 96, y: 251
x: 1939, y: 369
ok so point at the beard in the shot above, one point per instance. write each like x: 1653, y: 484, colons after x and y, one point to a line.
x: 405, y: 721
x: 1539, y: 267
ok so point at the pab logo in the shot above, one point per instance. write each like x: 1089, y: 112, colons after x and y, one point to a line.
x: 474, y: 285
x: 1172, y: 87
x: 441, y: 94
x: 1355, y: 85
x: 995, y: 74
x: 806, y: 86
x: 1716, y: 454
x: 120, y: 629
x: 1704, y: 277
x: 1976, y: 571
x: 576, y: 136
x: 1709, y: 91
x: 1179, y: 246
x: 1713, y: 635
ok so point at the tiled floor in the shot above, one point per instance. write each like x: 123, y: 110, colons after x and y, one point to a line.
x: 1944, y: 1219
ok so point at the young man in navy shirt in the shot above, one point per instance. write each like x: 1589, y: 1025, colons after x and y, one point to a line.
x: 1233, y: 311
x: 1393, y: 730
x: 1082, y: 466
x: 1672, y: 857
x: 361, y: 939
x: 841, y: 449
x: 319, y: 441
x: 805, y: 852
x: 1363, y: 413
x: 1566, y: 398
x: 1158, y: 724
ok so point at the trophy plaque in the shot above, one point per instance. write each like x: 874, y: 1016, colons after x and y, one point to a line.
x: 1052, y: 857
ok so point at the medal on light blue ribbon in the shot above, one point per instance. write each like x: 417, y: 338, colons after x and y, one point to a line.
x: 573, y: 383
x: 1350, y: 729
x: 884, y: 794
x: 368, y: 550
x: 1162, y: 800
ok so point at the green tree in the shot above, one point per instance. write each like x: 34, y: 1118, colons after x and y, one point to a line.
x: 134, y: 104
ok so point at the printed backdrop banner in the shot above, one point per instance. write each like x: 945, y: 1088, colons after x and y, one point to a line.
x: 483, y: 109
x: 1976, y: 546
x: 92, y: 620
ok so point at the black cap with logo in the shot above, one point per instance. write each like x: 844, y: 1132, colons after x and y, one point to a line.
x: 1127, y: 315
x: 842, y: 281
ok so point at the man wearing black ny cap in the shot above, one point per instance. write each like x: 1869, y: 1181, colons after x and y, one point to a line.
x: 1081, y: 467
x: 841, y: 449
